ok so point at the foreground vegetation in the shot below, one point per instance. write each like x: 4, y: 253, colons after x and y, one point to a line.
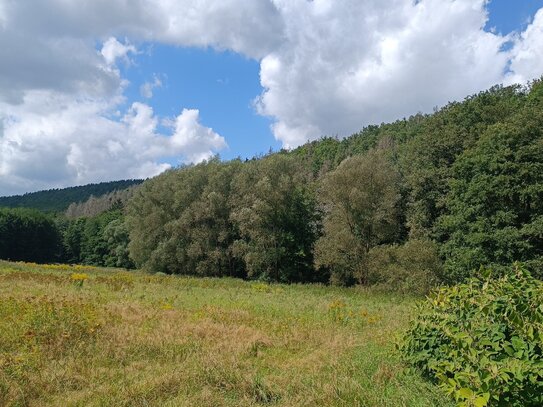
x: 83, y: 336
x: 482, y: 341
x: 398, y: 208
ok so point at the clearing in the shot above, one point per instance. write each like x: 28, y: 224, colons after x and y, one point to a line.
x: 85, y: 336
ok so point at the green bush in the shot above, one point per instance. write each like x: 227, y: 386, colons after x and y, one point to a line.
x: 482, y: 341
x: 410, y: 268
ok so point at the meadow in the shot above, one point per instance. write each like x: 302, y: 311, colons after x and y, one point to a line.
x: 86, y: 336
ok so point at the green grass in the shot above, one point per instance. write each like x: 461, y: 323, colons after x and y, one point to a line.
x: 103, y: 337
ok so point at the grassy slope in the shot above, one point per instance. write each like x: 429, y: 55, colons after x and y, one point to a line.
x: 137, y: 340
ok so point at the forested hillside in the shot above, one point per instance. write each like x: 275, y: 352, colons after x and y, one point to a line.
x: 429, y: 198
x: 58, y: 200
x: 96, y: 205
x: 404, y: 205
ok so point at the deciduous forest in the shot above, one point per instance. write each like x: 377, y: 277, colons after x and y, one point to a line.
x: 403, y: 205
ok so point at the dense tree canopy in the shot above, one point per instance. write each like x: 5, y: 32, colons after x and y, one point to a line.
x: 28, y: 235
x: 495, y: 204
x: 96, y: 205
x: 274, y: 210
x: 256, y: 219
x: 58, y: 200
x: 180, y: 222
x: 406, y: 204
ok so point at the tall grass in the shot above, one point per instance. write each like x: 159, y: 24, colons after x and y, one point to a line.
x: 114, y: 338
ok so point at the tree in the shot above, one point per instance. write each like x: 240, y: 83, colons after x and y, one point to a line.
x: 495, y: 204
x: 179, y: 222
x: 28, y: 235
x: 116, y: 235
x: 427, y: 159
x: 72, y: 232
x: 207, y: 224
x: 360, y: 199
x: 275, y: 212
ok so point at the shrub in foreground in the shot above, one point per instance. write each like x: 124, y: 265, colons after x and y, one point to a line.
x: 482, y: 341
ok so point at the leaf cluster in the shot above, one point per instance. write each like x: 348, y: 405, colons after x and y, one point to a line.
x: 482, y: 341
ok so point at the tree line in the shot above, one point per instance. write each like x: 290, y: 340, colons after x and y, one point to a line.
x: 425, y: 199
x: 58, y: 200
x: 404, y: 205
x: 33, y: 236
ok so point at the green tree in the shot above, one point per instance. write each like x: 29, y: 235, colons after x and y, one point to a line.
x: 116, y: 235
x: 28, y: 235
x: 360, y: 199
x: 275, y: 212
x: 207, y: 223
x: 179, y: 222
x: 95, y: 247
x: 58, y: 200
x: 72, y: 239
x: 495, y: 203
x: 427, y: 158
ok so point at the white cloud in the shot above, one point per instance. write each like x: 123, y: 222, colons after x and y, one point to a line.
x: 70, y: 65
x: 527, y: 53
x: 146, y: 90
x: 195, y: 141
x: 113, y: 50
x: 328, y: 67
x: 249, y: 27
x: 347, y: 64
x: 54, y: 140
x: 253, y: 28
x: 3, y: 13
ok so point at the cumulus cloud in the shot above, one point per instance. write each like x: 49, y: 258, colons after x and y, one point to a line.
x: 113, y: 50
x: 64, y: 64
x: 527, y: 53
x: 249, y: 27
x: 2, y: 15
x: 351, y: 63
x: 54, y: 140
x: 57, y: 38
x: 327, y: 67
x: 195, y: 141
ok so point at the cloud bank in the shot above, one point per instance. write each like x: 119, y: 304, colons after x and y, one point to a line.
x: 326, y: 67
x: 51, y: 138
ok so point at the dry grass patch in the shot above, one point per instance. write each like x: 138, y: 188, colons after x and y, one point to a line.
x: 132, y: 339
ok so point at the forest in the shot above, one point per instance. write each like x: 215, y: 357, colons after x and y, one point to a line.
x: 58, y: 200
x: 405, y: 205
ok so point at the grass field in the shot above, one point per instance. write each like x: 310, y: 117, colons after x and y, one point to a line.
x: 80, y: 336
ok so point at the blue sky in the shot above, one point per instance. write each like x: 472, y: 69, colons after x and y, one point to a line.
x: 223, y: 85
x: 512, y: 15
x: 105, y: 90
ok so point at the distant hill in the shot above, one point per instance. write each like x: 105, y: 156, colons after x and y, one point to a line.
x: 96, y: 205
x: 58, y: 200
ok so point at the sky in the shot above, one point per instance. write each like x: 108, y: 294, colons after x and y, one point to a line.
x: 100, y: 90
